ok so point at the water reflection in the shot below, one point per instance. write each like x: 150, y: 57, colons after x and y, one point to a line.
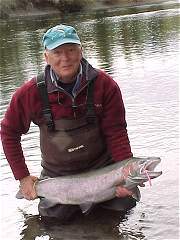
x: 21, y: 45
x: 92, y: 227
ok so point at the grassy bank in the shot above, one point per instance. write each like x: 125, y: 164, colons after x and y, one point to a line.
x: 11, y: 7
x: 64, y: 5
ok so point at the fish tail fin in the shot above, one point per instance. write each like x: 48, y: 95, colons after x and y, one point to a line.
x: 19, y: 195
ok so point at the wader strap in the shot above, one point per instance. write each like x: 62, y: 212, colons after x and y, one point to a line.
x: 90, y: 114
x: 45, y: 101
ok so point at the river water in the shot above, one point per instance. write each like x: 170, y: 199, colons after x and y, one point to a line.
x: 139, y: 47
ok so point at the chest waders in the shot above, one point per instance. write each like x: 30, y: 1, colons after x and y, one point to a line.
x: 70, y: 146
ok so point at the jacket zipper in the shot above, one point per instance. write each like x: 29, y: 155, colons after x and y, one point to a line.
x: 73, y: 98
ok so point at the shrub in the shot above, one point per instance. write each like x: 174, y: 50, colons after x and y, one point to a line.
x: 71, y: 5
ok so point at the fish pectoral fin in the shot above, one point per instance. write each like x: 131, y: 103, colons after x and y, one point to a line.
x: 136, y: 194
x: 48, y: 202
x: 86, y: 207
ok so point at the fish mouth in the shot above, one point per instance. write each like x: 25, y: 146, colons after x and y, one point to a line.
x: 143, y: 177
x: 151, y: 164
x: 147, y: 170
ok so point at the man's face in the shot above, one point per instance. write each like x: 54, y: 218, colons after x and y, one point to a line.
x: 65, y: 60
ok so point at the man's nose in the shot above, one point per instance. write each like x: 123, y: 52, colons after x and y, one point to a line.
x: 64, y: 55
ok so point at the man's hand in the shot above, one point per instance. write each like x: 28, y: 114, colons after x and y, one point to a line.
x: 122, y: 192
x: 27, y: 187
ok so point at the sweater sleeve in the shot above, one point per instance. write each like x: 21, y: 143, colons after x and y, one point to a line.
x: 16, y: 122
x: 113, y: 123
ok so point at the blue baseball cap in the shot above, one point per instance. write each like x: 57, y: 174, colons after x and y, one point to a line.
x: 59, y: 35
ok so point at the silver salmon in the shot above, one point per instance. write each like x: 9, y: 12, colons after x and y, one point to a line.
x: 98, y: 185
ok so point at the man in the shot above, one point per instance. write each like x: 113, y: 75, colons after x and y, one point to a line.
x: 81, y: 117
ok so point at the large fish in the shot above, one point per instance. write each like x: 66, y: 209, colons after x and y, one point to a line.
x: 98, y: 185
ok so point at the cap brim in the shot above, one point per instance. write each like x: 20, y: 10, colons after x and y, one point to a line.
x: 61, y: 42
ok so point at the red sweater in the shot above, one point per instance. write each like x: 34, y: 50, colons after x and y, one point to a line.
x: 25, y: 107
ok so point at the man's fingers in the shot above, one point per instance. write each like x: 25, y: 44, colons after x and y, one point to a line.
x: 34, y: 178
x: 122, y: 192
x: 30, y: 196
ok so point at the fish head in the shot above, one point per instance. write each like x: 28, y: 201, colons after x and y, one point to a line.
x: 142, y: 170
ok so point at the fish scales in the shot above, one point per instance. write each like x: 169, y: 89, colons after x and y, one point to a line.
x: 77, y: 190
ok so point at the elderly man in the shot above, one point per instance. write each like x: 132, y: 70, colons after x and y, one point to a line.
x: 80, y: 113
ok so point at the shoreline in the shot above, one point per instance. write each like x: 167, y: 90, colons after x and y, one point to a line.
x: 48, y: 12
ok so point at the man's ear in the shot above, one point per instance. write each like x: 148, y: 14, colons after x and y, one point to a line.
x: 46, y: 57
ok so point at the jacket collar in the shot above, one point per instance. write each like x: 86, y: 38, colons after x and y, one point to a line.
x: 88, y: 74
